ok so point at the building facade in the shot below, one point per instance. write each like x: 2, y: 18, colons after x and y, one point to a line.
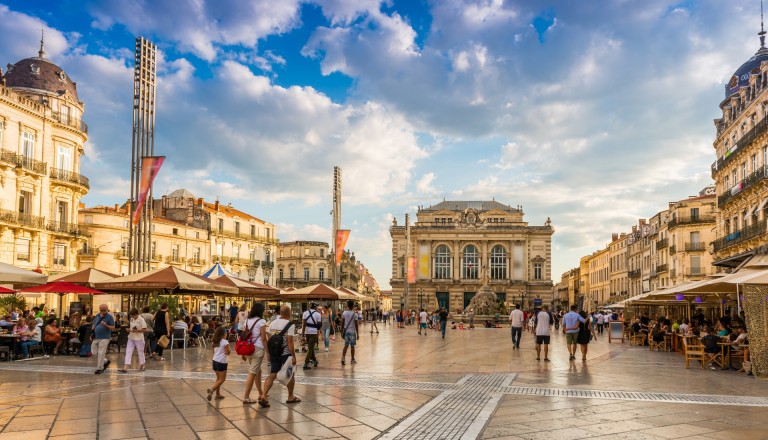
x: 303, y: 263
x: 741, y: 169
x: 618, y: 256
x: 690, y: 229
x: 462, y: 244
x: 42, y: 141
x: 599, y: 279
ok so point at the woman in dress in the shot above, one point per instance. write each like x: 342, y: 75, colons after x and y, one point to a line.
x: 162, y: 328
x: 53, y: 334
x: 585, y: 332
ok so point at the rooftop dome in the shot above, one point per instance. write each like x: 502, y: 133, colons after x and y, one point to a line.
x: 37, y: 73
x: 740, y: 78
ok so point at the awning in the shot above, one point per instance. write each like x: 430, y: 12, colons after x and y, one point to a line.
x: 168, y: 278
x: 10, y: 274
x: 316, y: 291
x: 217, y: 270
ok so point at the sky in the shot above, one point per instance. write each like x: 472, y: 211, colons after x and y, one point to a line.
x: 592, y: 113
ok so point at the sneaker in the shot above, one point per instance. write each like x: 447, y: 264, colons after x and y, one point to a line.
x: 326, y: 349
x: 353, y: 361
x: 546, y: 359
x: 106, y: 364
x: 315, y: 362
x: 307, y: 367
x: 342, y: 362
x: 98, y: 371
x: 712, y: 367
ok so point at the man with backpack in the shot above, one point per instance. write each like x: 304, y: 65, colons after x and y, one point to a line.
x: 349, y: 322
x: 311, y: 322
x: 280, y: 348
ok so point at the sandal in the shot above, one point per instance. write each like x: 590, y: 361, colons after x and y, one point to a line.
x: 210, y: 394
x: 248, y: 401
x: 219, y: 397
x: 141, y: 368
x: 264, y: 403
x: 294, y: 400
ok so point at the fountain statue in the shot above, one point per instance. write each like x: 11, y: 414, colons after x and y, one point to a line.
x: 485, y: 301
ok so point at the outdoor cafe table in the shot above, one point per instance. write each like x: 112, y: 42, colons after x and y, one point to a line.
x: 10, y: 339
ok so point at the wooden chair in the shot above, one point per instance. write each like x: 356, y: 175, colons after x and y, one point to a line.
x: 660, y: 346
x: 637, y: 339
x: 693, y: 353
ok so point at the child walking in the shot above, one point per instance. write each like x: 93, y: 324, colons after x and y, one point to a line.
x: 220, y: 353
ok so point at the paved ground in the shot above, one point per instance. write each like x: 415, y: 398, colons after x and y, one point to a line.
x: 470, y: 385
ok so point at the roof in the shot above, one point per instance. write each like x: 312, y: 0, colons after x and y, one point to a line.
x: 461, y: 205
x: 230, y: 211
x: 741, y: 77
x: 181, y: 194
x: 40, y: 74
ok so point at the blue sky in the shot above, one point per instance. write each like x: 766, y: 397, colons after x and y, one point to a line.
x: 592, y: 113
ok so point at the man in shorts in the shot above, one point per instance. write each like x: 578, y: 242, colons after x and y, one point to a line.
x: 349, y: 321
x: 543, y: 321
x: 571, y: 329
x: 423, y: 316
x: 287, y: 351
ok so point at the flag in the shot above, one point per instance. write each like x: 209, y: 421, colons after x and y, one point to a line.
x: 150, y: 166
x: 412, y: 270
x: 424, y: 262
x: 342, y: 235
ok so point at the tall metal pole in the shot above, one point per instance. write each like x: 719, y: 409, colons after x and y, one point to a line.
x: 142, y: 144
x: 407, y: 255
x: 336, y: 222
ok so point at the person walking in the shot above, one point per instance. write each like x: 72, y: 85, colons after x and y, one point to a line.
x: 443, y: 320
x: 219, y: 363
x: 103, y: 324
x: 571, y: 322
x: 584, y: 335
x: 149, y: 335
x: 162, y: 328
x: 373, y: 322
x: 600, y: 318
x: 350, y: 332
x: 281, y: 326
x: 472, y: 319
x: 325, y: 329
x: 516, y: 321
x: 423, y: 317
x: 233, y: 309
x: 256, y: 323
x: 136, y: 329
x: 311, y: 323
x: 542, y: 323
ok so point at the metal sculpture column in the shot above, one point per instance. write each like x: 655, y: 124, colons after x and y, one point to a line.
x: 143, y: 144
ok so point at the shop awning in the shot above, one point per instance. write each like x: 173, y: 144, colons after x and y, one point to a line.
x: 170, y: 279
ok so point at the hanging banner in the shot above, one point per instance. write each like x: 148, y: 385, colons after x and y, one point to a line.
x: 412, y: 262
x: 150, y: 166
x: 424, y: 262
x: 342, y: 235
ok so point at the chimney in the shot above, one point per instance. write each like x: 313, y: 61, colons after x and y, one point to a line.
x: 117, y: 207
x: 614, y: 237
x: 216, y: 206
x: 200, y: 201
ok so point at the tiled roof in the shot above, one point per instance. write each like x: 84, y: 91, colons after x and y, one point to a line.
x: 461, y: 205
x: 41, y: 74
x: 230, y: 211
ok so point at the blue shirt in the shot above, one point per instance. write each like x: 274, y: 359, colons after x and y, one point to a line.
x: 101, y: 332
x: 570, y: 320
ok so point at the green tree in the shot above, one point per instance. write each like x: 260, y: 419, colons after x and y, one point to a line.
x: 10, y: 302
x: 173, y: 301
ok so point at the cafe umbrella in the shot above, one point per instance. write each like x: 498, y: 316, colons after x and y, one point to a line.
x: 6, y: 290
x: 10, y: 274
x: 61, y: 288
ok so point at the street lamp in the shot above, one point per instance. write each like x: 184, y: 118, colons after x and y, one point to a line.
x: 421, y: 304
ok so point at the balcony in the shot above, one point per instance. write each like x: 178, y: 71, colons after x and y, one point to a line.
x: 69, y: 121
x: 635, y: 273
x: 661, y: 268
x: 70, y: 177
x: 15, y: 218
x: 745, y: 140
x: 174, y: 259
x: 305, y: 280
x: 661, y: 244
x: 196, y: 262
x: 685, y: 220
x: 244, y: 236
x: 673, y: 273
x: 734, y: 238
x: 751, y: 180
x: 696, y: 271
x: 23, y: 162
x: 672, y: 249
x: 88, y: 253
x: 64, y: 228
x: 695, y: 247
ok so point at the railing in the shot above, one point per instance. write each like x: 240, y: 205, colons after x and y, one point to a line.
x: 304, y: 280
x: 24, y: 162
x: 745, y: 140
x: 68, y: 120
x: 661, y: 268
x: 695, y: 247
x: 696, y: 271
x: 69, y: 176
x: 672, y: 273
x: 672, y: 249
x: 64, y: 228
x: 90, y: 252
x: 661, y: 244
x: 174, y: 260
x: 122, y: 253
x: 635, y: 273
x: 751, y: 231
x: 196, y: 262
x: 244, y: 236
x: 757, y: 176
x: 22, y: 257
x: 18, y: 218
x: 690, y: 220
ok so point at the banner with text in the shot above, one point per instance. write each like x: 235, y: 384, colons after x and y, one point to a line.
x: 342, y: 235
x: 150, y: 166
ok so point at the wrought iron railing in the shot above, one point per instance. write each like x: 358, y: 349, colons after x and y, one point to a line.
x: 24, y: 162
x: 695, y: 247
x: 661, y: 268
x: 66, y: 119
x: 69, y: 176
x: 757, y: 176
x: 736, y: 237
x: 685, y: 220
x: 661, y: 244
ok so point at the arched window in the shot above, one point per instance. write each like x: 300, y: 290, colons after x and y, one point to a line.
x: 498, y: 263
x: 469, y: 262
x: 442, y: 262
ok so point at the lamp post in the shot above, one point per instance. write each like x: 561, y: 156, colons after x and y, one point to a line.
x: 421, y: 304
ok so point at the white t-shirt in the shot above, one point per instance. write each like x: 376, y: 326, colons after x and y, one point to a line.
x: 242, y: 316
x: 683, y: 329
x: 349, y: 317
x: 423, y: 317
x: 316, y: 318
x: 600, y: 318
x: 36, y: 334
x: 220, y: 352
x: 137, y: 324
x: 277, y: 326
x: 517, y: 318
x: 542, y: 326
x: 255, y: 324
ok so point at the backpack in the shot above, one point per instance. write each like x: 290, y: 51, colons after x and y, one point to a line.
x: 275, y: 343
x: 315, y: 324
x: 244, y: 345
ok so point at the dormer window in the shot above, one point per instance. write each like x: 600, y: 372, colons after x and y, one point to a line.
x: 35, y: 69
x: 62, y: 76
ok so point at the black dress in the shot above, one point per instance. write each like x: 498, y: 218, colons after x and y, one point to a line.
x: 584, y: 333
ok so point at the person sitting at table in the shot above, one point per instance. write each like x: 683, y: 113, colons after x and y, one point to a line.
x: 684, y: 327
x: 74, y: 320
x: 84, y: 334
x: 194, y: 331
x: 65, y: 321
x: 6, y: 321
x: 723, y: 328
x: 20, y: 329
x: 710, y: 340
x: 34, y: 336
x: 15, y: 315
x: 53, y: 335
x: 179, y: 324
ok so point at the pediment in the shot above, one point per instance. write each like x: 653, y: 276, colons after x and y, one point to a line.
x: 538, y: 259
x: 495, y: 212
x: 444, y: 212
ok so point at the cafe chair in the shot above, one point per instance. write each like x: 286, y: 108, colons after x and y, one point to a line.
x: 121, y: 340
x: 199, y: 339
x: 637, y: 339
x: 693, y: 352
x: 36, y: 349
x: 179, y: 335
x: 5, y: 351
x: 661, y: 346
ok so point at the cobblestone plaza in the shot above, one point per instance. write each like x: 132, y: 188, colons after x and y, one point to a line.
x: 470, y: 385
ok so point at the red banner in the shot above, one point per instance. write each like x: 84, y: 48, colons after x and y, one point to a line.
x: 342, y: 235
x: 150, y: 166
x: 412, y: 264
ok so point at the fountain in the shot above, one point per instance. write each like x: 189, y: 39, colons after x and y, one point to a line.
x: 485, y: 302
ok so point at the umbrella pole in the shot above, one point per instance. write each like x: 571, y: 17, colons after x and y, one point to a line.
x: 61, y: 311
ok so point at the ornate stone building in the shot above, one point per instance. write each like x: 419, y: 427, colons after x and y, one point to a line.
x: 303, y: 263
x: 458, y: 243
x: 42, y: 138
